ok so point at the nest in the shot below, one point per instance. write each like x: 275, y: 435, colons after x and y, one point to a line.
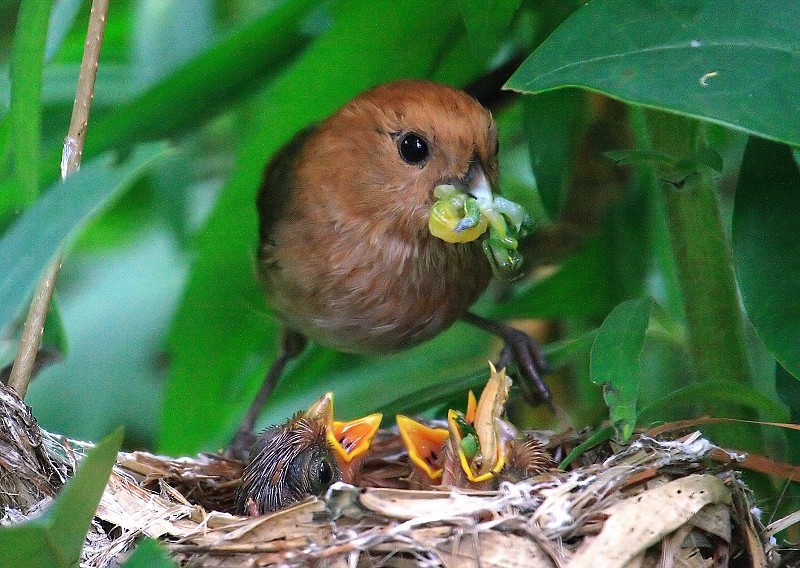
x: 652, y: 502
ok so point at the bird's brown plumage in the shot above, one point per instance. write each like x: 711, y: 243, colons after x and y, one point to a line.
x: 346, y: 257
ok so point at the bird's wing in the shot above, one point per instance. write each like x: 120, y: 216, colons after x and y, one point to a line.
x: 276, y: 188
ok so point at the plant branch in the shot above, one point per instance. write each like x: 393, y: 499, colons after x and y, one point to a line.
x: 705, y: 273
x: 70, y: 162
x: 703, y: 259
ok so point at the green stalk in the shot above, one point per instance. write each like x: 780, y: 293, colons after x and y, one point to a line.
x: 705, y: 273
x: 702, y: 255
x: 27, y: 61
x: 647, y: 178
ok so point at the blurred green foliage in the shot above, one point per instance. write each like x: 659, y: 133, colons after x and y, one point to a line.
x: 55, y: 539
x: 167, y: 330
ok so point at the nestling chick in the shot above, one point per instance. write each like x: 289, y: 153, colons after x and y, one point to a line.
x: 303, y: 457
x: 477, y: 449
x: 287, y: 463
x: 346, y: 256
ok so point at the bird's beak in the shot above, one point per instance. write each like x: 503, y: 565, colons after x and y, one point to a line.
x: 347, y: 439
x: 477, y: 184
x: 353, y: 438
x: 484, y: 456
x: 424, y: 445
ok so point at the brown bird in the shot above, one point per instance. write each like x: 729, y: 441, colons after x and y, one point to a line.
x: 346, y: 256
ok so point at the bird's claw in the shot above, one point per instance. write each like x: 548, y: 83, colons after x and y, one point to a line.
x: 525, y: 353
x: 522, y: 351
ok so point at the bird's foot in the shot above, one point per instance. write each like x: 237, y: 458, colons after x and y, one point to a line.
x: 523, y: 352
x: 239, y: 448
x: 292, y: 346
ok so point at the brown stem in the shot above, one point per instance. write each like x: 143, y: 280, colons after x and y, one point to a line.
x: 24, y: 363
x: 73, y: 143
x: 70, y: 162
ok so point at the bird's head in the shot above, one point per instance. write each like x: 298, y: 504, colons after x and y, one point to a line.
x: 386, y: 151
x: 288, y: 463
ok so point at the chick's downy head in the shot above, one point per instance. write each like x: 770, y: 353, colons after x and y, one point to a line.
x: 385, y: 151
x: 288, y: 463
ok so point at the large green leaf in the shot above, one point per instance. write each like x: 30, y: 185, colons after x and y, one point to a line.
x: 552, y: 122
x: 221, y: 335
x: 614, y: 361
x: 32, y: 242
x: 720, y: 391
x: 61, y: 20
x: 228, y: 70
x: 55, y: 539
x: 582, y: 286
x: 114, y: 85
x: 210, y: 82
x: 26, y: 94
x: 766, y: 239
x: 149, y: 554
x: 734, y: 63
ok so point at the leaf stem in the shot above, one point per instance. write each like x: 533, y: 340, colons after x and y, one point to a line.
x: 27, y: 60
x: 70, y: 162
x: 704, y: 266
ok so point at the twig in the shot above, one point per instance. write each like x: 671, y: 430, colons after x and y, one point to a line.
x: 32, y: 330
x: 70, y: 162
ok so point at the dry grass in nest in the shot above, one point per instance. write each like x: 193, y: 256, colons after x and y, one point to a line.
x: 652, y: 502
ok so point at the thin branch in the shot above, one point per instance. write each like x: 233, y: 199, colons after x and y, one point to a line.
x: 70, y: 162
x: 73, y: 144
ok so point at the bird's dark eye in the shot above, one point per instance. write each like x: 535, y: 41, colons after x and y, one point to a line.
x: 413, y: 149
x: 325, y: 473
x: 321, y: 473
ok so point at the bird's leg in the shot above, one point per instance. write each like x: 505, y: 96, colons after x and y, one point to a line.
x: 292, y: 345
x: 522, y: 349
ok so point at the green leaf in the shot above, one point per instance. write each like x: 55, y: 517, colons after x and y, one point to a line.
x: 5, y: 149
x: 451, y: 384
x: 766, y: 238
x: 27, y: 59
x: 581, y: 286
x: 486, y: 22
x: 734, y: 63
x: 167, y: 34
x: 114, y: 85
x: 54, y: 336
x: 204, y: 86
x: 788, y: 391
x: 222, y: 293
x: 597, y: 438
x: 149, y: 554
x: 640, y: 157
x: 35, y: 238
x: 55, y: 539
x: 61, y: 20
x: 614, y: 361
x: 552, y: 122
x: 207, y: 83
x: 711, y: 158
x: 721, y: 391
